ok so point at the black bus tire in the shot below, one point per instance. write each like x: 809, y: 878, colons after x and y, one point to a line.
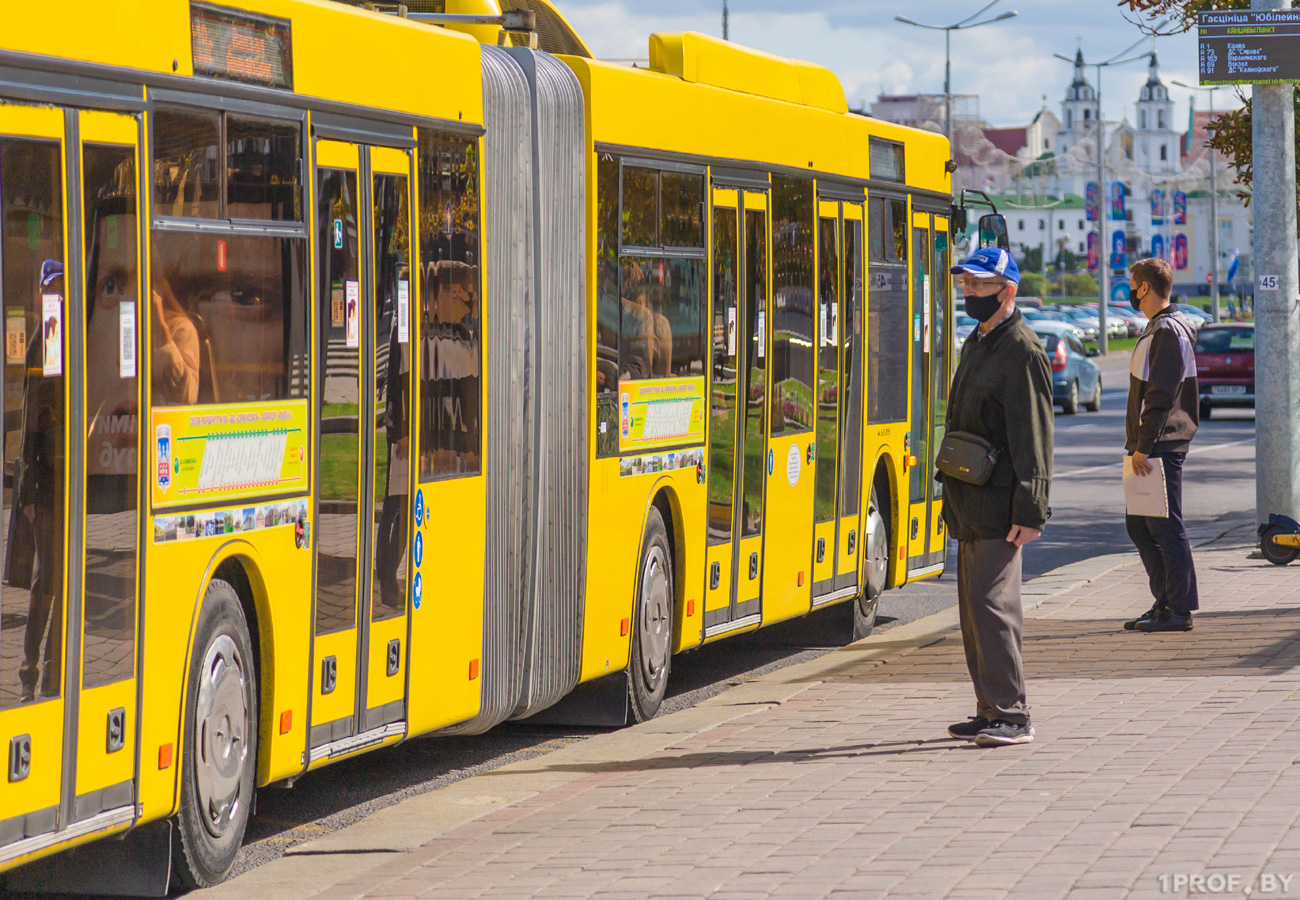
x: 219, y: 759
x: 652, y: 622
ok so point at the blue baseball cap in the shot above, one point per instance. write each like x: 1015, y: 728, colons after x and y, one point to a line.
x: 988, y: 262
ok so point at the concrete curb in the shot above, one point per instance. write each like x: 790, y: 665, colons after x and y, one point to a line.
x: 316, y: 866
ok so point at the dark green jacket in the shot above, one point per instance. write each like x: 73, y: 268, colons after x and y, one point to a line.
x: 1003, y: 392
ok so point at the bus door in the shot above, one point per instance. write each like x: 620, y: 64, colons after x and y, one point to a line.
x: 737, y: 411
x: 363, y: 469
x: 942, y: 316
x: 924, y: 555
x: 836, y: 548
x: 69, y: 263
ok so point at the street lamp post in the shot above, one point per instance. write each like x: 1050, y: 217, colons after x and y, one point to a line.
x: 1103, y: 339
x: 1214, y: 208
x: 947, y: 30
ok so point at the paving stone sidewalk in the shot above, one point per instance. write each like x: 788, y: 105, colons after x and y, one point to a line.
x: 1160, y: 760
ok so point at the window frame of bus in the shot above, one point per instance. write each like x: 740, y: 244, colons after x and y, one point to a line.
x: 671, y: 253
x: 426, y: 155
x: 219, y: 227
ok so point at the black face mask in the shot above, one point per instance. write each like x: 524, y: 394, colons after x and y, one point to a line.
x: 983, y: 308
x: 1134, y: 301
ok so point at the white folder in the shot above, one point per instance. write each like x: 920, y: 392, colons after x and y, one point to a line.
x: 1146, y: 495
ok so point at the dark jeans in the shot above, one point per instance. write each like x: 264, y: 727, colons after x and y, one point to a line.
x: 1163, y: 545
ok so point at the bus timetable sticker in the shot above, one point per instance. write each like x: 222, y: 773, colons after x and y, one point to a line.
x: 661, y: 413
x: 228, y: 451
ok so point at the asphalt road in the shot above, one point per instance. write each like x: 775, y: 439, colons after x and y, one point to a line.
x: 1088, y: 521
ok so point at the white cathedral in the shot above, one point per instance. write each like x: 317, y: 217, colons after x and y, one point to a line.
x: 1039, y: 177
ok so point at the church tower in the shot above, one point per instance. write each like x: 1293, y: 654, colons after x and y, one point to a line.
x: 1078, y: 111
x: 1157, y: 140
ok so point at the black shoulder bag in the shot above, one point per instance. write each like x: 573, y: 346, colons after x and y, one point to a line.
x: 967, y: 457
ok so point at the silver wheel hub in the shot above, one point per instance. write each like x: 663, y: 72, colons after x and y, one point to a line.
x: 655, y: 622
x: 877, y: 549
x: 221, y: 735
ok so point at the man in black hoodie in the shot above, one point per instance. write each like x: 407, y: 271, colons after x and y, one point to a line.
x: 1162, y: 418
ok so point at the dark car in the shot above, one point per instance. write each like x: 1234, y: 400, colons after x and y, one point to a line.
x: 1074, y: 374
x: 1225, y: 366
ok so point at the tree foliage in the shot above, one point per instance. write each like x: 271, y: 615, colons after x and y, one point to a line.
x: 1232, y: 135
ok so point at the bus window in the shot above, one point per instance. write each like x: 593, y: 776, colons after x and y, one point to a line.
x: 263, y: 169
x: 755, y: 432
x: 112, y: 301
x: 828, y: 380
x: 640, y: 207
x: 451, y: 348
x: 607, y: 311
x: 722, y: 402
x: 887, y: 230
x: 851, y: 402
x: 888, y: 334
x: 229, y: 317
x: 794, y: 363
x: 187, y: 163
x: 392, y: 396
x: 683, y: 205
x: 31, y: 219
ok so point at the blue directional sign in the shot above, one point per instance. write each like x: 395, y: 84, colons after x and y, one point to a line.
x: 417, y: 590
x: 338, y: 234
x: 769, y: 461
x: 419, y: 509
x: 419, y: 549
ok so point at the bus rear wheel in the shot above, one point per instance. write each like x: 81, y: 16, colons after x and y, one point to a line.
x: 877, y: 552
x: 220, y: 750
x: 652, y: 622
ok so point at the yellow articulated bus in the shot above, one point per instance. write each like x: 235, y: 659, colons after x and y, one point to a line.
x: 372, y: 374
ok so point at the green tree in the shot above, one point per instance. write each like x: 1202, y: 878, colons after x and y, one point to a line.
x: 1079, y: 285
x: 1033, y: 261
x: 1033, y: 284
x: 1232, y: 132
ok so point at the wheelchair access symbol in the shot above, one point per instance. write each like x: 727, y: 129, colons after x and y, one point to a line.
x: 417, y: 590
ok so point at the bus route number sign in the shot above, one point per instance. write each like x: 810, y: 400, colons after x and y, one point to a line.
x: 1249, y: 46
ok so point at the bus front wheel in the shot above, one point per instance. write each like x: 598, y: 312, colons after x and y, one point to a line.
x: 220, y: 743
x: 652, y: 622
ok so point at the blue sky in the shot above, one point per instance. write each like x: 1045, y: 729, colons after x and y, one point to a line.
x: 1009, y: 64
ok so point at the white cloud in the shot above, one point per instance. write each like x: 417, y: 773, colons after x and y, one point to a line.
x: 1009, y: 64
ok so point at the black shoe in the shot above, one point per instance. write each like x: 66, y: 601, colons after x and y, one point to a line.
x: 1155, y: 610
x: 966, y: 731
x: 1001, y: 734
x: 1166, y: 620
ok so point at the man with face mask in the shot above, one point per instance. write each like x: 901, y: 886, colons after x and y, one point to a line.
x: 1163, y: 416
x: 1001, y: 392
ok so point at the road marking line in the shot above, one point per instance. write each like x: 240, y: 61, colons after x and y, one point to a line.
x: 1205, y: 447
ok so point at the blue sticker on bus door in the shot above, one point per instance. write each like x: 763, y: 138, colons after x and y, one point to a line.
x: 419, y: 509
x: 769, y: 461
x: 419, y: 549
x: 417, y: 590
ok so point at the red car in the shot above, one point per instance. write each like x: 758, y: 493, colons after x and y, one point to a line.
x: 1225, y: 366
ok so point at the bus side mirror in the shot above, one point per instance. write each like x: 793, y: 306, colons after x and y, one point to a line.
x: 993, y: 232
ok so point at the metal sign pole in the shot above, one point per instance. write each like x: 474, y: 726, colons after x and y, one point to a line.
x: 1277, y: 322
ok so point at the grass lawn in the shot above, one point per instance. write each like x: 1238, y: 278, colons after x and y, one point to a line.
x: 1120, y: 345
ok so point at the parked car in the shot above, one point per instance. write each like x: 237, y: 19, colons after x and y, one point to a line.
x: 1134, y: 321
x: 1225, y: 366
x: 1037, y: 316
x: 1029, y: 301
x: 964, y: 326
x: 1085, y: 319
x: 1197, y: 316
x: 1074, y: 374
x: 1116, y: 326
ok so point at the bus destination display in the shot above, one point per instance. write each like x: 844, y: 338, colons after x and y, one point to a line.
x: 241, y: 47
x: 1250, y: 47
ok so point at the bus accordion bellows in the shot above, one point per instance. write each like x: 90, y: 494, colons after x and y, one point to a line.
x: 456, y: 378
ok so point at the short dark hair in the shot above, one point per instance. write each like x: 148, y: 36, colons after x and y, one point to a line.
x: 1155, y: 273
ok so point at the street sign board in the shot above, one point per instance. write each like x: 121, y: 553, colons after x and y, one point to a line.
x: 1250, y: 46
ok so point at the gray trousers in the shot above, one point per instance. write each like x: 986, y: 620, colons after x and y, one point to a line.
x: 988, y: 600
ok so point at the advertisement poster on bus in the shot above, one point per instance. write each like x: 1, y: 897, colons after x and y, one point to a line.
x: 1158, y: 246
x: 1093, y: 203
x: 1117, y: 194
x: 1157, y: 206
x: 1094, y: 252
x: 224, y: 451
x: 1180, y: 251
x: 1180, y: 207
x: 661, y: 413
x: 1118, y: 250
